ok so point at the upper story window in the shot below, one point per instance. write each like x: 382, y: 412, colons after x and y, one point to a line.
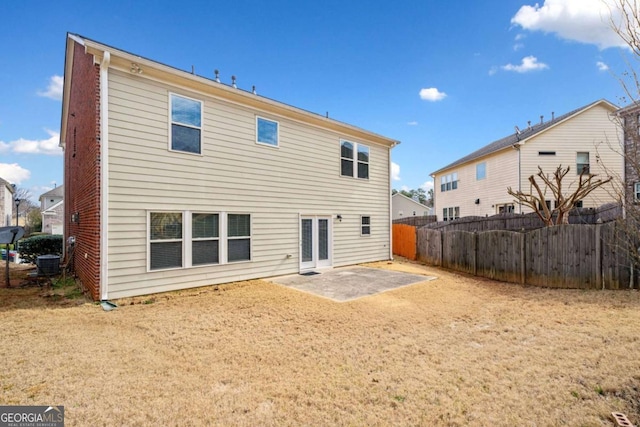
x: 354, y: 160
x: 481, y: 171
x: 636, y: 191
x: 582, y: 163
x: 186, y: 124
x: 267, y: 132
x: 449, y: 182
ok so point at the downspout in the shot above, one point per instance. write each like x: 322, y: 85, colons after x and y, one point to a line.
x: 104, y: 174
x: 389, y: 189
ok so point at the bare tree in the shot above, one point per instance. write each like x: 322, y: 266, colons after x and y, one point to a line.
x: 536, y: 200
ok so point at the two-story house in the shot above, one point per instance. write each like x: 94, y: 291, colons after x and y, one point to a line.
x: 6, y: 203
x: 175, y: 180
x: 403, y: 207
x: 588, y: 138
x: 52, y: 210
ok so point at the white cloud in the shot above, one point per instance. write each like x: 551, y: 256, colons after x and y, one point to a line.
x: 54, y: 90
x: 493, y: 70
x: 520, y: 36
x: 428, y: 185
x: 529, y: 63
x: 395, y: 171
x: 405, y: 188
x: 14, y: 173
x: 584, y: 21
x: 413, y: 123
x: 47, y: 146
x: 518, y: 46
x: 602, y: 66
x: 432, y: 94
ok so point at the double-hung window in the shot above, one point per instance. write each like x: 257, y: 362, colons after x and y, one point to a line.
x: 267, y: 132
x: 449, y: 214
x: 449, y: 182
x: 238, y: 237
x: 636, y: 191
x: 365, y: 225
x: 582, y: 163
x: 354, y: 160
x: 205, y: 238
x: 481, y: 171
x: 192, y: 239
x: 186, y: 124
x: 165, y: 240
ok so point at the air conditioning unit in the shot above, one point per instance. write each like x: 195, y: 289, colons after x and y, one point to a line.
x: 48, y: 264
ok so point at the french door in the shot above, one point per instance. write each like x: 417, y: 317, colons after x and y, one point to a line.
x: 315, y: 242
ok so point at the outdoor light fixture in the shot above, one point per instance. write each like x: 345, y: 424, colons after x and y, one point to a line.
x: 339, y: 217
x: 17, y: 209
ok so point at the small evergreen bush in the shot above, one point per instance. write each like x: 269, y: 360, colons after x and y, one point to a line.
x: 33, y: 247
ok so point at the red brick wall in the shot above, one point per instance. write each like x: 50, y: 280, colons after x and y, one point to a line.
x: 82, y: 169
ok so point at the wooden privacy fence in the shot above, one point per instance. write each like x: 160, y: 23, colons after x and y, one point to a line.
x: 566, y: 256
x: 404, y: 241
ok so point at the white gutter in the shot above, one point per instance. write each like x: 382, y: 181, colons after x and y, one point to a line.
x: 104, y: 174
x: 389, y: 189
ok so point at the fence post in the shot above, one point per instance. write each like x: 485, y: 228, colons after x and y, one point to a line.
x: 523, y: 258
x: 475, y: 253
x: 599, y: 272
x: 441, y: 248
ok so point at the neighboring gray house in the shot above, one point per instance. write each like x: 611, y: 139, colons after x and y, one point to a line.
x: 52, y: 209
x: 403, y: 207
x: 175, y: 180
x: 6, y: 203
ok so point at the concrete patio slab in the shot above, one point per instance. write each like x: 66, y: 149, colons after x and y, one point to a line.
x: 349, y: 283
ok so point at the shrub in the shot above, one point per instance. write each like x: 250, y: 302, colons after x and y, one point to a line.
x: 33, y: 247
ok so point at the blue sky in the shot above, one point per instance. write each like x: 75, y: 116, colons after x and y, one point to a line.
x: 444, y: 78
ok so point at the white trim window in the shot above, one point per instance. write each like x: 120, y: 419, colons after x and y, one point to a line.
x: 636, y: 191
x: 449, y: 214
x: 449, y: 182
x: 356, y: 167
x: 205, y: 238
x: 481, y: 171
x: 238, y: 237
x: 365, y: 225
x: 194, y: 239
x: 582, y: 162
x: 165, y: 240
x: 186, y: 124
x: 267, y: 132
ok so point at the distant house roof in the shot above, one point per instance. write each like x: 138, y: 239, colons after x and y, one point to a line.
x: 56, y: 192
x: 7, y: 184
x: 418, y: 204
x: 522, y: 136
x: 52, y: 209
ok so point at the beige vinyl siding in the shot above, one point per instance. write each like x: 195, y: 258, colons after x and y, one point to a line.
x: 233, y: 175
x: 594, y: 131
x: 407, y: 206
x: 501, y: 172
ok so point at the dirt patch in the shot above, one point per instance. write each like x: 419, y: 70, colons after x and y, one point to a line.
x: 454, y: 351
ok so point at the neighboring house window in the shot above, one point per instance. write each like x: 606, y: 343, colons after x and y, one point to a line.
x: 582, y: 163
x: 546, y: 153
x: 506, y: 208
x: 365, y: 225
x: 546, y: 202
x: 266, y: 132
x: 636, y: 191
x: 449, y: 214
x: 578, y: 204
x: 165, y: 240
x: 205, y: 236
x: 481, y: 171
x: 238, y: 237
x: 186, y: 124
x: 349, y: 164
x: 449, y: 182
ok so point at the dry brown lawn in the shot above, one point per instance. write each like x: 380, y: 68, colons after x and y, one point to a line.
x: 457, y: 351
